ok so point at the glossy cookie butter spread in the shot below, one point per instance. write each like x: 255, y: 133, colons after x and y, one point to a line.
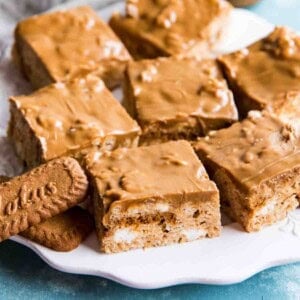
x: 67, y: 117
x: 263, y: 74
x: 171, y: 92
x: 254, y: 150
x: 127, y: 177
x: 171, y: 27
x: 67, y: 41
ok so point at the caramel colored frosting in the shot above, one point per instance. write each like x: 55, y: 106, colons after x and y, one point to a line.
x: 173, y: 26
x: 267, y: 70
x: 252, y: 151
x: 67, y: 41
x: 67, y: 117
x: 168, y: 89
x: 154, y: 173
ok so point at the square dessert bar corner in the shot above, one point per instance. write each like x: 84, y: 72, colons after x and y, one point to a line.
x: 256, y: 165
x: 151, y: 28
x: 174, y: 98
x: 56, y: 46
x: 266, y: 74
x: 67, y: 118
x: 152, y: 196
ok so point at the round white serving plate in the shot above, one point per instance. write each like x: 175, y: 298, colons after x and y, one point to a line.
x: 231, y: 258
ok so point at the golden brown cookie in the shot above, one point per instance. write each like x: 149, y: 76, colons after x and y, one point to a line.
x: 63, y: 232
x: 40, y: 194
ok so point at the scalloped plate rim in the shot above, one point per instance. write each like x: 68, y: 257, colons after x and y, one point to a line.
x: 44, y: 252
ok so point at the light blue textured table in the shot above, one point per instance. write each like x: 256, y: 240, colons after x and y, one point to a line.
x: 24, y: 275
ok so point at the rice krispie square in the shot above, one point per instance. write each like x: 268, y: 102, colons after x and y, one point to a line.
x: 60, y: 45
x: 256, y: 165
x: 152, y: 196
x: 65, y: 118
x: 175, y: 98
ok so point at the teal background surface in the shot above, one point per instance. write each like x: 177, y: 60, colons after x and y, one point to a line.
x: 279, y: 12
x: 23, y: 275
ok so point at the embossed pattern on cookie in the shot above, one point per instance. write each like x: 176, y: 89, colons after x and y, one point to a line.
x: 63, y: 232
x: 40, y: 194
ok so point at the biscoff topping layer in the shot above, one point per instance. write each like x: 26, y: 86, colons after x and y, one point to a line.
x: 173, y: 26
x: 267, y: 70
x: 156, y: 174
x: 168, y: 89
x: 68, y: 41
x: 69, y: 116
x: 257, y: 149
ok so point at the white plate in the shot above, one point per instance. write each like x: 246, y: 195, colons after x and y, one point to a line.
x: 231, y: 258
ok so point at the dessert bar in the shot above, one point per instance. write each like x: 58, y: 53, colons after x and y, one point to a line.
x: 65, y: 118
x: 153, y: 28
x: 152, y: 196
x: 175, y: 98
x: 264, y: 73
x: 256, y: 165
x: 60, y: 45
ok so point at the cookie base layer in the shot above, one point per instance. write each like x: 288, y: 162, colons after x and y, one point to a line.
x: 190, y: 129
x: 267, y: 213
x: 29, y: 64
x: 162, y: 229
x: 26, y: 144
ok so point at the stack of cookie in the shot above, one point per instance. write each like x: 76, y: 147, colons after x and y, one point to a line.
x: 193, y: 129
